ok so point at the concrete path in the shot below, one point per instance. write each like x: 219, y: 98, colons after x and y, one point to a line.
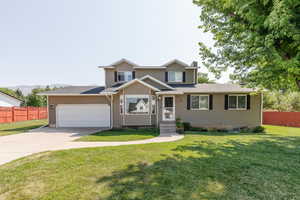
x: 49, y: 139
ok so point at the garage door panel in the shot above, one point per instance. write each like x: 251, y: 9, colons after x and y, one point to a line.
x: 83, y: 115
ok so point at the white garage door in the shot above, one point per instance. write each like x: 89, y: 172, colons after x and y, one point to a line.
x: 83, y: 115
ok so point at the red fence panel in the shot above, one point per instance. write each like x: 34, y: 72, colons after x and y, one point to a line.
x: 282, y: 118
x: 17, y: 114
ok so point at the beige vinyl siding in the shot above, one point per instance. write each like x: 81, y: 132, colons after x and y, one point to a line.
x: 219, y: 117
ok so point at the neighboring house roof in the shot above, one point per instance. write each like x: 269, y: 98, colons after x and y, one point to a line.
x: 11, y: 96
x: 77, y: 90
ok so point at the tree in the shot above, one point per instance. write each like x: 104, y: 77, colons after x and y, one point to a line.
x: 203, y: 78
x: 259, y: 39
x: 35, y: 100
x: 282, y: 101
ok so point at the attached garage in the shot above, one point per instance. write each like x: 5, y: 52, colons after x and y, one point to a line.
x: 82, y: 115
x: 79, y: 111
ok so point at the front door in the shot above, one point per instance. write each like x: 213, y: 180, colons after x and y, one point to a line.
x: 168, y: 108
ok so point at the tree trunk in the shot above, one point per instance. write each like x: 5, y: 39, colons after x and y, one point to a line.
x: 298, y: 83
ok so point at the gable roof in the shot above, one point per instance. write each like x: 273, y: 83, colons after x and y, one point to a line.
x: 139, y: 81
x: 157, y: 81
x: 123, y: 60
x: 11, y: 96
x: 136, y: 66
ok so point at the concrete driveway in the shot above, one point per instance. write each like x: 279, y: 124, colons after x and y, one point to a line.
x: 38, y: 140
x: 48, y: 139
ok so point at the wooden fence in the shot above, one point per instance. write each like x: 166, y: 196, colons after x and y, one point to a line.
x: 282, y: 118
x: 17, y: 114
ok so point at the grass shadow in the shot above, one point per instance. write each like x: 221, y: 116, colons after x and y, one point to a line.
x: 265, y: 169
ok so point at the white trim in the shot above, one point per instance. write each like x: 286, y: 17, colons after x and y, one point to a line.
x: 191, y: 68
x: 69, y: 94
x: 237, y: 101
x: 119, y: 62
x: 169, y: 92
x: 137, y: 96
x: 163, y: 107
x: 137, y: 80
x: 156, y: 80
x: 11, y: 97
x: 175, y: 61
x: 199, y: 102
x: 145, y: 67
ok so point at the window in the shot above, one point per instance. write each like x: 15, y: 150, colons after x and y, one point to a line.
x: 237, y: 102
x: 124, y: 76
x: 137, y: 104
x: 153, y: 104
x: 175, y: 76
x: 200, y: 102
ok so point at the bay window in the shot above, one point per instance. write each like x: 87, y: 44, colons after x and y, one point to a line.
x: 137, y: 104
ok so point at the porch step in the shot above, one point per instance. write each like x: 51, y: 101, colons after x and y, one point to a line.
x: 167, y: 128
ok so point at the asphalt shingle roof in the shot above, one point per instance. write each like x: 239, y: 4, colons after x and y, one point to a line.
x: 214, y: 88
x: 76, y: 90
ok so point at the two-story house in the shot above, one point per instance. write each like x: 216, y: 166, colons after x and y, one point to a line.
x: 136, y: 95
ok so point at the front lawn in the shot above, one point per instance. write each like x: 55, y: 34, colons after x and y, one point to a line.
x: 120, y: 135
x: 20, y: 127
x: 201, y: 166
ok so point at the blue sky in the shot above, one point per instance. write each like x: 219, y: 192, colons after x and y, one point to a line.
x: 63, y: 41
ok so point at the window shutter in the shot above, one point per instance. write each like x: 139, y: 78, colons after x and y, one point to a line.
x: 133, y: 75
x: 116, y: 76
x: 183, y: 76
x: 211, y: 102
x: 248, y: 102
x: 226, y: 102
x: 166, y: 76
x: 188, y: 102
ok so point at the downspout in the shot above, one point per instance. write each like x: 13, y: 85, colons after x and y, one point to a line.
x: 112, y: 111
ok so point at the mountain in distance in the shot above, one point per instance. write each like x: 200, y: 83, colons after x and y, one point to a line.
x: 26, y: 89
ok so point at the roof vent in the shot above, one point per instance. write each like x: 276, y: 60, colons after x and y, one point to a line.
x: 194, y: 64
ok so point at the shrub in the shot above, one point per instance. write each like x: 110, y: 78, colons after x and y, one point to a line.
x: 186, y: 126
x: 198, y: 129
x: 258, y: 129
x: 212, y: 130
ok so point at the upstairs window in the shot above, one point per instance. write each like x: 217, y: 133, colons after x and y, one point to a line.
x: 125, y: 76
x: 237, y: 102
x: 174, y: 76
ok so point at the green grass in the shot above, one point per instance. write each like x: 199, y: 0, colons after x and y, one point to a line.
x: 20, y: 127
x: 201, y: 166
x: 120, y: 135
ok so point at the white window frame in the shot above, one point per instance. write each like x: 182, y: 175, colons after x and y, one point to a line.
x: 199, y: 102
x: 136, y: 96
x: 237, y: 101
x: 125, y: 80
x: 175, y: 81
